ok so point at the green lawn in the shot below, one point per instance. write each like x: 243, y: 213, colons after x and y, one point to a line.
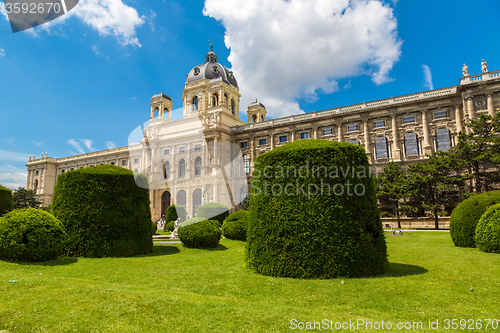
x: 186, y: 290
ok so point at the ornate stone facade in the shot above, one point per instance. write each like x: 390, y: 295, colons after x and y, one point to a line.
x: 209, y: 154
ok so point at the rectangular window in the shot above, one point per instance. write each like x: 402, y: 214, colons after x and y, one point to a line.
x: 408, y: 119
x: 440, y: 114
x: 244, y: 144
x: 379, y: 123
x: 304, y: 135
x: 352, y: 128
x: 354, y: 142
x: 166, y: 152
x: 283, y: 138
x: 381, y: 147
x: 112, y: 163
x: 263, y: 142
x: 182, y: 149
x: 197, y: 147
x: 411, y: 144
x: 136, y: 160
x: 37, y: 172
x: 124, y: 162
x: 327, y: 131
x: 443, y: 139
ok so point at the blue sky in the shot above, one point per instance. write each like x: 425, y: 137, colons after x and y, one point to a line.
x: 83, y: 82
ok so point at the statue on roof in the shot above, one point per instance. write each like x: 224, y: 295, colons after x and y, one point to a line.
x: 465, y: 70
x: 484, y: 66
x: 211, y: 46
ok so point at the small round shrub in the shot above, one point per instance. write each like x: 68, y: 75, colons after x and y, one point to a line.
x: 314, y: 214
x: 170, y: 226
x: 202, y: 234
x: 104, y: 212
x: 154, y: 228
x: 199, y: 219
x: 31, y: 235
x: 488, y: 230
x: 174, y: 212
x: 235, y: 226
x: 466, y: 215
x: 213, y: 211
x: 5, y: 200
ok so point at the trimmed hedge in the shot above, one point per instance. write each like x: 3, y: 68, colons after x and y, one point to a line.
x: 154, y: 228
x: 295, y: 232
x: 105, y: 213
x: 5, y: 200
x: 466, y: 215
x: 203, y: 234
x: 31, y: 235
x: 235, y: 226
x: 213, y: 211
x: 174, y: 212
x: 170, y: 226
x: 487, y: 234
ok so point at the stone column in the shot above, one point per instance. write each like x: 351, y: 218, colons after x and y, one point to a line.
x: 458, y: 119
x: 252, y: 152
x: 491, y: 110
x: 216, y: 151
x: 368, y: 146
x: 425, y: 125
x: 315, y: 133
x: 470, y: 107
x: 396, y: 152
x: 293, y: 135
x: 272, y: 140
x: 340, y: 136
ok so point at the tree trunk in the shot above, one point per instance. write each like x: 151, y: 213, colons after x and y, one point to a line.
x: 436, y: 220
x: 399, y: 218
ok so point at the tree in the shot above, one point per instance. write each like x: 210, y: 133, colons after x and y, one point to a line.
x: 391, y: 189
x: 479, y: 150
x: 23, y: 198
x: 433, y: 183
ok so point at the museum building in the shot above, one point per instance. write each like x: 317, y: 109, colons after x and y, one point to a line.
x: 209, y: 154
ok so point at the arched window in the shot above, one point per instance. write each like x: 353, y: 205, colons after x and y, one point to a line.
x: 194, y: 104
x: 411, y: 144
x: 226, y: 101
x: 246, y: 163
x: 261, y: 118
x: 156, y: 115
x: 381, y: 147
x: 215, y: 99
x: 443, y: 139
x: 181, y: 198
x: 36, y: 185
x: 233, y: 106
x: 166, y: 170
x: 182, y: 169
x: 243, y: 193
x: 165, y: 202
x: 197, y: 167
x: 254, y: 118
x: 196, y: 200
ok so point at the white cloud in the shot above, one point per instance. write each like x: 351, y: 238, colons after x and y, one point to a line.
x: 87, y: 143
x: 284, y: 50
x: 97, y: 52
x: 38, y: 144
x: 2, y: 53
x: 12, y: 177
x: 111, y: 17
x: 13, y: 156
x: 110, y: 145
x: 3, y: 11
x: 107, y: 17
x: 75, y: 144
x: 427, y: 77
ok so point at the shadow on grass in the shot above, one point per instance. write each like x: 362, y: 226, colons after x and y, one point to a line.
x: 162, y: 250
x: 58, y: 262
x: 397, y: 270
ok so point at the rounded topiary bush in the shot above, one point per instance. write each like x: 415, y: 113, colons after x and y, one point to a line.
x: 104, y: 212
x: 466, y: 215
x: 487, y: 234
x: 31, y: 235
x: 235, y: 226
x: 213, y: 211
x: 202, y: 234
x: 313, y: 213
x: 174, y: 212
x: 170, y: 226
x: 5, y: 200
